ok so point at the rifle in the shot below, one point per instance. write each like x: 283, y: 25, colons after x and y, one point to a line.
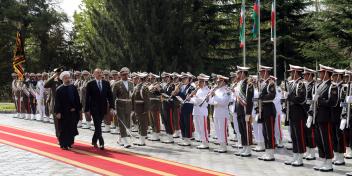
x: 315, y: 91
x: 209, y: 94
x: 288, y: 92
x: 349, y: 104
x: 259, y: 91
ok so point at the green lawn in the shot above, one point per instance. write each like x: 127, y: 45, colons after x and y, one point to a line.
x: 6, y: 107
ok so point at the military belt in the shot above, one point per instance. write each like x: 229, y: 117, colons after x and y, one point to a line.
x: 309, y: 102
x: 138, y: 101
x: 126, y: 100
x: 268, y: 101
x: 154, y: 98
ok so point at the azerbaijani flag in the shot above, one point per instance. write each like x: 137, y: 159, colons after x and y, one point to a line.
x: 255, y: 18
x: 242, y: 27
x: 273, y: 20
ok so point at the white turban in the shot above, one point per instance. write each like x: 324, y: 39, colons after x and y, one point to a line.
x: 64, y: 73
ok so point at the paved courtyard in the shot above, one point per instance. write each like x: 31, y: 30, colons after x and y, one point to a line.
x: 15, y: 161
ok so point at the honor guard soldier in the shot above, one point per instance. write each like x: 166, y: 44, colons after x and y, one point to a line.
x: 346, y: 116
x: 200, y: 112
x: 244, y: 106
x: 82, y: 94
x: 155, y: 106
x: 324, y: 98
x: 220, y: 98
x: 115, y: 78
x: 40, y: 90
x: 14, y: 95
x: 52, y: 83
x: 257, y: 127
x: 167, y: 105
x: 140, y: 106
x: 234, y: 123
x: 267, y: 111
x: 176, y: 106
x: 77, y: 79
x: 46, y: 98
x: 26, y: 95
x: 186, y: 118
x: 338, y: 134
x: 31, y: 85
x: 108, y: 116
x: 308, y: 76
x: 296, y: 99
x: 122, y: 92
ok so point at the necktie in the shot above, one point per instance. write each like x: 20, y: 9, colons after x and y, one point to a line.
x: 99, y: 85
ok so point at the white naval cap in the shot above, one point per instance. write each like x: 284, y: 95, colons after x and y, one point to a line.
x: 326, y: 68
x: 295, y: 68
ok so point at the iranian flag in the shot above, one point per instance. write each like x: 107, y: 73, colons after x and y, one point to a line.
x: 242, y: 27
x: 255, y: 18
x: 273, y: 20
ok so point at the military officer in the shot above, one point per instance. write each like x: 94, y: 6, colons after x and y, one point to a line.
x: 122, y: 92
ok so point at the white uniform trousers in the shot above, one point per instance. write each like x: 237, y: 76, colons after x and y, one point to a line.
x: 201, y: 127
x: 221, y: 128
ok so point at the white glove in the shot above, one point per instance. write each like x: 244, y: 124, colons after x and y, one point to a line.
x: 283, y: 117
x: 248, y: 117
x: 309, y: 121
x: 348, y: 99
x: 256, y: 117
x: 113, y: 112
x: 21, y: 99
x: 285, y: 95
x: 315, y: 97
x: 343, y: 124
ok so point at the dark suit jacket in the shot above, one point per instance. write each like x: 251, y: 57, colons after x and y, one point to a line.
x: 97, y: 102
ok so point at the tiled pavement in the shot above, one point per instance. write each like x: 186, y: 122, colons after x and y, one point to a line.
x: 18, y: 162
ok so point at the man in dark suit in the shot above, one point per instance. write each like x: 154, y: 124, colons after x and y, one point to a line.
x: 98, y: 97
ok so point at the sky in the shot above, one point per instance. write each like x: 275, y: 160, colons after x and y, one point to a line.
x: 69, y: 7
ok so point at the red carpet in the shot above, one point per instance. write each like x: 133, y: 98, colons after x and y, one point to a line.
x: 107, y: 162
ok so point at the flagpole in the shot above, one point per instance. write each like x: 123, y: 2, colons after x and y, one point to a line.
x: 244, y: 32
x: 259, y: 42
x: 274, y: 6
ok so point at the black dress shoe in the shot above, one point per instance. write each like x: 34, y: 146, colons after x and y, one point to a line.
x: 94, y: 145
x: 64, y: 148
x: 102, y: 147
x: 248, y: 155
